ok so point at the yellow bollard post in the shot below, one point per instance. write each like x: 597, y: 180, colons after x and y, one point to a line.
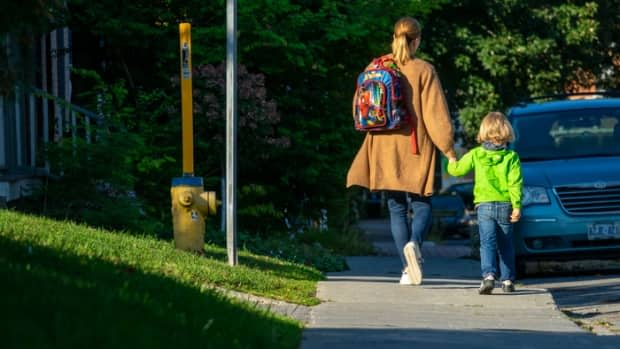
x: 190, y: 204
x: 186, y: 98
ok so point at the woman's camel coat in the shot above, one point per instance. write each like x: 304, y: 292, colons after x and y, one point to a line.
x: 385, y: 160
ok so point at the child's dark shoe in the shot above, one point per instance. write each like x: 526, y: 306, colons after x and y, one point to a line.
x: 508, y: 286
x: 487, y: 285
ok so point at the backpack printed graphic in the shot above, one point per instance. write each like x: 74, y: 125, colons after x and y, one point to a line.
x: 378, y: 104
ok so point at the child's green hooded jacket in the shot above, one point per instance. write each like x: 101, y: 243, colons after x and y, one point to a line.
x: 497, y: 174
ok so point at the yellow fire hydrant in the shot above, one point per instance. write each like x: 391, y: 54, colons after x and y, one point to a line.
x: 190, y: 206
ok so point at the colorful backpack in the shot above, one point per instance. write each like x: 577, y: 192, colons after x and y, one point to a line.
x: 378, y: 101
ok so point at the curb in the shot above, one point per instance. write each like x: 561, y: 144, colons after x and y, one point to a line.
x: 296, y: 311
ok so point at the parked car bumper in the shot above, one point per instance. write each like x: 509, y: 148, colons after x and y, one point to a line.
x: 548, y: 230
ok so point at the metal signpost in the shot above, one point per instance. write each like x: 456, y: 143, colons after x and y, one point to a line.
x: 231, y: 131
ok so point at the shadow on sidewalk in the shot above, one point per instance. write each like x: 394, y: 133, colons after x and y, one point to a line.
x: 361, y: 338
x: 428, y: 282
x: 390, y: 267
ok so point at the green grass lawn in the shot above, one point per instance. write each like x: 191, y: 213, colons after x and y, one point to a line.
x: 66, y: 285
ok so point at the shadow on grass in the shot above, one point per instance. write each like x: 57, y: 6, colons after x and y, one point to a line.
x: 59, y: 300
x: 269, y: 265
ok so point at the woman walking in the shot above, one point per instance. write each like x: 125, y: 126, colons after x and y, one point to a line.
x: 402, y: 162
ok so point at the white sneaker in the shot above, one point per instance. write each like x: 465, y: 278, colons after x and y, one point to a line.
x: 405, y: 279
x: 414, y: 267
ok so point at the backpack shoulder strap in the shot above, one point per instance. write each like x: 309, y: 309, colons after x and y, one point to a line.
x: 385, y: 61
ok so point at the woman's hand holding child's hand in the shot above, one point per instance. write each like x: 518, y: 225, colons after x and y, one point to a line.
x: 516, y: 215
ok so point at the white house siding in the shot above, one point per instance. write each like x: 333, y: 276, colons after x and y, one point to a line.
x: 25, y: 119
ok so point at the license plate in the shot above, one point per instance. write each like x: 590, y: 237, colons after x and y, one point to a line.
x: 603, y: 231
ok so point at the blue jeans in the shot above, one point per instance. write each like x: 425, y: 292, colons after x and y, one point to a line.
x: 496, y: 238
x: 405, y: 229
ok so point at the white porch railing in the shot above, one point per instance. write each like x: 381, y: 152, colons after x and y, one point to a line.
x: 25, y: 122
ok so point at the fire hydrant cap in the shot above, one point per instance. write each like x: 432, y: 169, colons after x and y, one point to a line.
x: 186, y: 198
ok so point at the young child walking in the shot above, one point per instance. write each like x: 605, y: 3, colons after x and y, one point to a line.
x: 498, y: 187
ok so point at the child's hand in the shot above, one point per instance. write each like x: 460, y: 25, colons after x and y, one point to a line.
x: 452, y: 160
x: 516, y: 215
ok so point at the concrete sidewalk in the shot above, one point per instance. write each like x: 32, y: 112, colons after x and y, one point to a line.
x: 365, y: 307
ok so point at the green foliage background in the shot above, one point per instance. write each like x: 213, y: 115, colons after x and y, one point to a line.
x: 298, y: 63
x: 492, y: 53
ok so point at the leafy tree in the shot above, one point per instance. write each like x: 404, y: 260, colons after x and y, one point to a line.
x: 494, y: 53
x: 257, y: 141
x: 303, y: 56
x: 30, y: 15
x: 311, y: 52
x: 24, y: 21
x: 308, y: 51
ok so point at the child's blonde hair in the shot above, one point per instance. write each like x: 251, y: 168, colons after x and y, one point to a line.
x: 495, y: 128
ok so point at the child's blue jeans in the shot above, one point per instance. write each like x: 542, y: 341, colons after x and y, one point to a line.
x: 496, y: 238
x: 403, y: 228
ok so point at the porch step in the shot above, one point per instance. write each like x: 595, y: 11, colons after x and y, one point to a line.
x: 15, y: 186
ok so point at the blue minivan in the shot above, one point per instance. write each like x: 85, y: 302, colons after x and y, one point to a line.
x: 570, y: 157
